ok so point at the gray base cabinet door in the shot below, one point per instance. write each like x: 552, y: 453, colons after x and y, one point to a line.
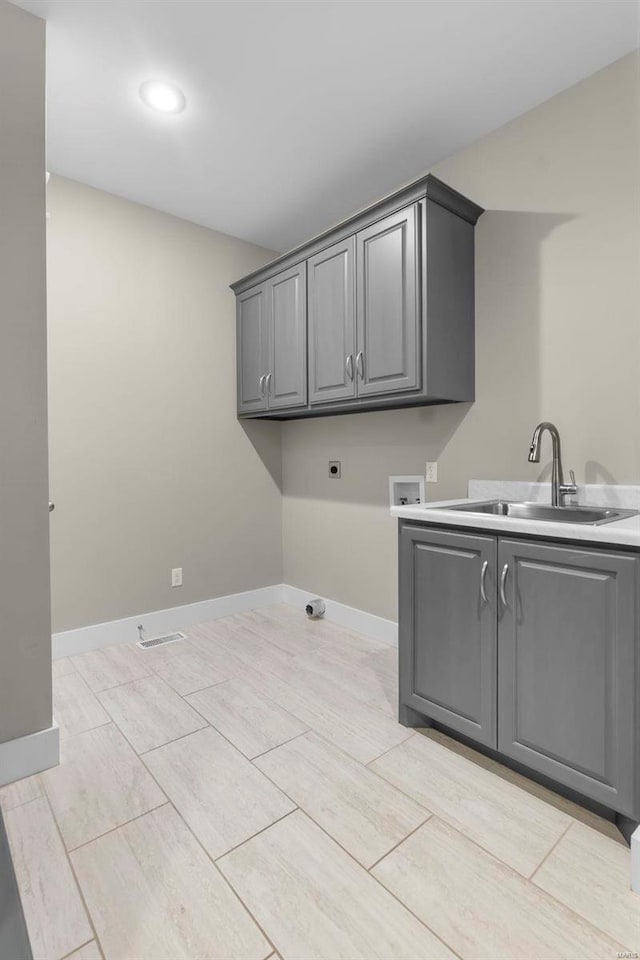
x: 388, y: 309
x: 252, y: 349
x: 332, y: 323
x: 448, y: 627
x: 286, y: 296
x: 567, y: 667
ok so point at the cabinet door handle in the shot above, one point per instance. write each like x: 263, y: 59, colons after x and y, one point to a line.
x: 268, y: 383
x: 349, y: 366
x: 360, y: 364
x: 503, y: 581
x: 262, y: 379
x: 483, y: 578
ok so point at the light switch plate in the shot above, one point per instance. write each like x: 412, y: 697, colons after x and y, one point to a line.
x: 176, y: 577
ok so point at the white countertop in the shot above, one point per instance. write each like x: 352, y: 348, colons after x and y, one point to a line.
x: 621, y: 532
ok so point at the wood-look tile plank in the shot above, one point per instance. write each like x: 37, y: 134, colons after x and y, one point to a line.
x: 56, y: 919
x: 223, y: 797
x: 100, y: 784
x: 328, y: 635
x: 573, y: 810
x: 481, y: 907
x: 190, y: 671
x: 333, y: 638
x: 266, y: 682
x: 253, y: 649
x: 248, y: 618
x: 114, y: 665
x: 211, y: 645
x: 283, y: 611
x: 62, y: 666
x: 153, y: 893
x: 214, y: 630
x: 150, y: 713
x: 591, y: 874
x: 293, y: 638
x: 365, y: 814
x: 90, y: 951
x: 313, y: 901
x: 252, y: 722
x: 75, y: 707
x: 508, y: 822
x: 384, y: 660
x: 249, y: 657
x: 21, y: 791
x: 353, y: 679
x: 368, y: 676
x: 360, y: 730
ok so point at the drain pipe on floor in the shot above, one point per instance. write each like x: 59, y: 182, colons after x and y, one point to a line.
x: 315, y: 609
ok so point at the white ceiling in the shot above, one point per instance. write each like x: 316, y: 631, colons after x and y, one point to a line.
x: 301, y: 112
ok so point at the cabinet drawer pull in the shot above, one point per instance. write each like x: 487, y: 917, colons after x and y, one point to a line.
x: 360, y: 364
x: 503, y: 581
x: 483, y: 578
x: 349, y: 366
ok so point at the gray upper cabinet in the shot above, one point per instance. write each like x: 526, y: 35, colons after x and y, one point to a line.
x: 388, y: 313
x: 272, y: 343
x: 388, y: 308
x: 252, y: 349
x: 448, y: 628
x: 567, y: 667
x: 332, y: 323
x: 286, y: 308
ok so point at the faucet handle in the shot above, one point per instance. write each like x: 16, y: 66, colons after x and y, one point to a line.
x: 569, y: 489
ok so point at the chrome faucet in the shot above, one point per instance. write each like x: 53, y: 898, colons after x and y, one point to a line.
x: 559, y: 489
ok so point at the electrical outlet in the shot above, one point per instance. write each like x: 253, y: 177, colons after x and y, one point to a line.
x: 176, y: 577
x: 335, y: 469
x: 431, y: 472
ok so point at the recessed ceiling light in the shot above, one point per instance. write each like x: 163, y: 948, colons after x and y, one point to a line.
x: 163, y: 97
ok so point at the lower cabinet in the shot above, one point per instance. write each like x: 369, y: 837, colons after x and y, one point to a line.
x: 567, y: 645
x: 534, y: 654
x: 448, y: 629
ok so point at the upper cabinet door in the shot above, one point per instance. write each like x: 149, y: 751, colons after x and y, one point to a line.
x: 388, y: 310
x: 252, y: 349
x: 567, y: 673
x: 287, y: 318
x: 332, y: 323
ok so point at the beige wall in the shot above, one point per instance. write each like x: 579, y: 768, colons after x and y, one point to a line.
x: 558, y: 337
x: 25, y: 640
x: 149, y: 467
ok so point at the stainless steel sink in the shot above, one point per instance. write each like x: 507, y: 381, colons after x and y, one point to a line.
x: 542, y: 511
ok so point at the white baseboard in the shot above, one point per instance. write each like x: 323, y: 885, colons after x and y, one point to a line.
x: 98, y: 635
x: 71, y: 642
x: 635, y: 860
x: 350, y: 617
x: 25, y: 756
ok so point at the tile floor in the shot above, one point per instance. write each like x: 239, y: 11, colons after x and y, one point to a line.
x: 248, y: 794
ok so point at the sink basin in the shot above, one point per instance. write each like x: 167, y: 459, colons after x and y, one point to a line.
x: 542, y: 511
